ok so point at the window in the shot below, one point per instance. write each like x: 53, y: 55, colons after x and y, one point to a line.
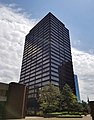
x: 54, y: 39
x: 32, y: 71
x: 54, y: 69
x: 52, y: 53
x: 54, y: 78
x: 31, y: 79
x: 39, y: 72
x: 46, y: 61
x: 21, y: 79
x: 23, y: 69
x: 46, y: 69
x: 22, y: 75
x: 39, y: 58
x: 45, y: 78
x: 33, y: 58
x: 38, y: 68
x: 44, y: 74
x: 55, y: 48
x: 32, y: 75
x: 53, y: 65
x: 55, y: 83
x: 30, y: 87
x: 39, y: 54
x: 39, y: 76
x: 39, y: 65
x: 33, y: 67
x: 39, y: 80
x: 45, y: 54
x: 28, y: 70
x: 37, y: 85
x: 55, y: 74
x: 44, y: 58
x: 31, y: 91
x: 33, y: 64
x: 26, y: 77
x: 27, y: 73
x: 45, y: 83
x: 56, y: 62
x: 54, y: 58
x: 28, y: 67
x: 46, y: 65
x: 39, y: 61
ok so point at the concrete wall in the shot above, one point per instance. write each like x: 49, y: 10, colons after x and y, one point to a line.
x: 3, y: 98
x: 16, y: 101
x: 91, y: 103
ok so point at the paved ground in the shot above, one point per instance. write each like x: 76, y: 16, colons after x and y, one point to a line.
x: 41, y: 118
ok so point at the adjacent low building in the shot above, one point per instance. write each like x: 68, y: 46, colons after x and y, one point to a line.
x: 3, y: 98
x: 12, y: 100
x: 91, y: 104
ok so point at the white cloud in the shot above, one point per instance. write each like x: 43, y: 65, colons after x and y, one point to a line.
x: 13, y: 28
x: 84, y: 68
x: 91, y: 51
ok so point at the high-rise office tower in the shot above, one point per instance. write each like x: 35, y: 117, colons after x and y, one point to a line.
x: 47, y: 56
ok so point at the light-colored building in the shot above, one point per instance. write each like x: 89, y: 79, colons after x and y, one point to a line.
x: 77, y: 88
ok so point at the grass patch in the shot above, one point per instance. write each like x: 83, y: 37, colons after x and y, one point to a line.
x: 69, y: 116
x: 66, y: 113
x: 63, y: 115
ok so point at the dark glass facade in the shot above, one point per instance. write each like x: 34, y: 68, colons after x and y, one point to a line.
x: 77, y: 88
x: 47, y: 56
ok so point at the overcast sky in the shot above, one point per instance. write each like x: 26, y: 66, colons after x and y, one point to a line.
x: 18, y: 17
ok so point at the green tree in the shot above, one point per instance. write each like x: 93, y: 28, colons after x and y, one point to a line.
x: 85, y: 106
x: 49, y: 98
x: 77, y: 107
x: 67, y: 99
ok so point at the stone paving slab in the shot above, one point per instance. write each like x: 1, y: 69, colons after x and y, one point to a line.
x: 41, y: 118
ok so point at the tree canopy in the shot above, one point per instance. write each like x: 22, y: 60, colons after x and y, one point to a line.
x: 49, y: 98
x: 67, y: 98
